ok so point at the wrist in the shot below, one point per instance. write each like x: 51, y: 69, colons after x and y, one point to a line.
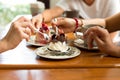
x: 3, y: 46
x: 116, y: 51
x: 78, y: 24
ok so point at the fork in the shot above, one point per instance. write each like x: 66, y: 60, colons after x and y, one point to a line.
x: 44, y: 35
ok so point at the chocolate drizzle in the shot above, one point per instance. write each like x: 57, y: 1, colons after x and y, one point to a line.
x: 60, y: 37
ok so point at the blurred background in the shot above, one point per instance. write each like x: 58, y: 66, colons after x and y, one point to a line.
x: 9, y: 9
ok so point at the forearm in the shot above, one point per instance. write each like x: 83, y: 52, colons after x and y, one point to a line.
x: 113, y: 23
x: 115, y: 51
x: 97, y: 21
x: 3, y: 46
x: 49, y: 14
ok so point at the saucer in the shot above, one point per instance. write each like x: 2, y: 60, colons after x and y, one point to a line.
x: 46, y: 53
x: 80, y: 43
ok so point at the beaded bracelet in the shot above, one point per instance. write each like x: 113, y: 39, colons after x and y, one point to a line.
x: 77, y: 24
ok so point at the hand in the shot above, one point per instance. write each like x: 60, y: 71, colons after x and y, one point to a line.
x: 102, y: 39
x: 66, y: 24
x: 20, y: 29
x: 37, y: 20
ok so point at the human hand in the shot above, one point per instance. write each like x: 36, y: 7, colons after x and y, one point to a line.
x: 37, y: 20
x: 102, y: 39
x: 65, y: 24
x: 20, y: 29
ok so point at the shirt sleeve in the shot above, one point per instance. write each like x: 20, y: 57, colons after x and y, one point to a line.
x: 64, y: 4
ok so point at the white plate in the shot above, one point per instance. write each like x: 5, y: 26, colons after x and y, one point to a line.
x: 80, y: 43
x: 45, y: 53
x: 33, y: 42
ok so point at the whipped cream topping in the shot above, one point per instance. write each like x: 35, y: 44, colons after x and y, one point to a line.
x: 58, y: 46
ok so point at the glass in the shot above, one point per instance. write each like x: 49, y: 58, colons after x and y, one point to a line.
x: 72, y: 14
x: 37, y: 7
x: 79, y: 34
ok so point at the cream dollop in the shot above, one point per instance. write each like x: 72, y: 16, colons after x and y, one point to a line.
x: 58, y: 46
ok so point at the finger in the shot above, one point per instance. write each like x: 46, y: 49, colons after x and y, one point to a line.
x: 102, y: 33
x: 90, y: 40
x: 37, y: 21
x: 22, y: 19
x: 54, y: 21
x: 57, y: 21
x: 25, y: 36
x: 60, y: 22
x: 54, y: 25
x: 92, y: 29
x: 23, y: 24
x: 87, y: 32
x: 28, y: 31
x: 32, y: 28
x: 60, y: 18
x: 39, y: 24
x: 33, y: 20
x: 99, y: 30
x: 98, y: 40
x: 100, y: 36
x: 27, y: 24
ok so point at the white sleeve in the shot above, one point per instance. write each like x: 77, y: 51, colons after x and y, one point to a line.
x: 63, y: 4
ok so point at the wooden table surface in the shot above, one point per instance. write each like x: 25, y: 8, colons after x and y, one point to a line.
x: 62, y: 74
x: 24, y: 57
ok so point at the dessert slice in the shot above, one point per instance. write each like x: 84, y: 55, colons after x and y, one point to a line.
x: 43, y: 36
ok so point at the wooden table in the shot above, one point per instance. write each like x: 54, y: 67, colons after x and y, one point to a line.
x: 24, y: 57
x: 62, y: 74
x: 22, y: 63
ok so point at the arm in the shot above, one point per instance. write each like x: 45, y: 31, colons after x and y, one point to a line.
x: 113, y: 23
x: 103, y: 41
x: 48, y: 15
x: 69, y: 24
x: 4, y: 46
x: 98, y: 21
x: 20, y: 29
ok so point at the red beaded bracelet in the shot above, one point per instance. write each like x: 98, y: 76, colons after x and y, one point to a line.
x: 77, y: 25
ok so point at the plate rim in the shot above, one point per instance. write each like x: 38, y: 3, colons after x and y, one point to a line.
x: 35, y: 44
x: 32, y: 42
x: 81, y: 46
